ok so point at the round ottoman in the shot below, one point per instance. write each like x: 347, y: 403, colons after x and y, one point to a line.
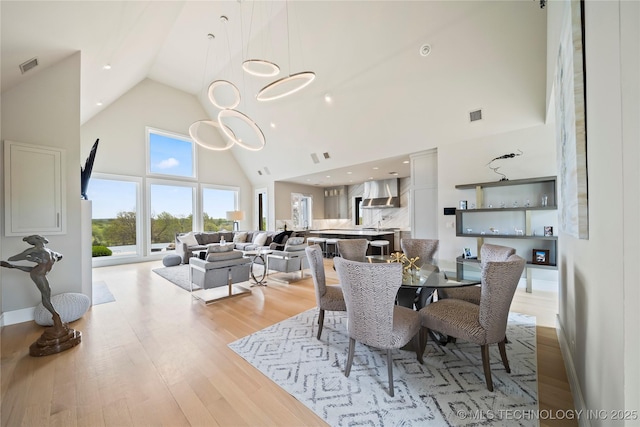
x: 171, y: 260
x: 70, y: 306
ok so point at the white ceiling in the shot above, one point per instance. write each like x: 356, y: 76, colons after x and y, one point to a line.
x: 387, y: 100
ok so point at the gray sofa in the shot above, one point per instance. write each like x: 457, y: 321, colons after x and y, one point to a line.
x: 188, y: 243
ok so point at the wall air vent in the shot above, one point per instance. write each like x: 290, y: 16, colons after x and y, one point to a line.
x: 259, y: 172
x: 476, y: 115
x: 267, y: 171
x: 326, y: 155
x: 314, y: 158
x: 28, y: 65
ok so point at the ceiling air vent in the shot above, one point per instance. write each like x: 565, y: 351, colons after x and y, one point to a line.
x: 28, y: 65
x: 314, y: 157
x: 267, y: 171
x: 476, y: 115
x: 326, y: 155
x: 259, y: 172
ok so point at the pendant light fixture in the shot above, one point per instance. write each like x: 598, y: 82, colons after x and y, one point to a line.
x: 258, y: 67
x: 223, y: 93
x: 289, y: 84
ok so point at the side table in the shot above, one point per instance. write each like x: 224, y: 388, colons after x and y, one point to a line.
x: 258, y: 254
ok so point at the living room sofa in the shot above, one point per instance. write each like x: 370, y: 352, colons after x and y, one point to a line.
x: 188, y: 243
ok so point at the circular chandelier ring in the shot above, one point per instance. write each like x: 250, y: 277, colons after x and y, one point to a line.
x: 194, y: 135
x: 260, y: 67
x: 222, y: 83
x: 229, y: 133
x: 306, y: 77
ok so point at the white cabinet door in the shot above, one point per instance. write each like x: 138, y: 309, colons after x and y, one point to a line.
x: 34, y: 189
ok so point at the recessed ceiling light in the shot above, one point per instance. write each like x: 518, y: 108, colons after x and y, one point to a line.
x: 328, y: 176
x: 327, y: 98
x: 375, y: 168
x: 99, y: 103
x: 273, y: 125
x: 405, y: 162
x: 106, y: 67
x: 370, y: 177
x: 393, y: 173
x: 349, y: 173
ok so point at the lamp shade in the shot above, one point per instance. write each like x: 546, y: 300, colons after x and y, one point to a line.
x: 235, y: 215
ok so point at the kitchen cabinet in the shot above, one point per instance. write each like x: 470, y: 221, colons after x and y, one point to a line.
x: 522, y: 211
x: 336, y: 202
x: 35, y: 197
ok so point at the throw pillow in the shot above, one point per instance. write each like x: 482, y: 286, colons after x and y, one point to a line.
x: 217, y: 247
x: 278, y: 238
x: 240, y: 237
x: 295, y: 241
x: 189, y: 239
x: 260, y: 239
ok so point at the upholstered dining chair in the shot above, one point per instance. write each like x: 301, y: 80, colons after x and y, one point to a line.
x: 373, y: 317
x: 488, y: 253
x: 327, y: 297
x: 424, y: 249
x: 482, y: 324
x: 353, y: 249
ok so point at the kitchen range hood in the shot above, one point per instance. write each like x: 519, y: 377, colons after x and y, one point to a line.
x: 381, y: 194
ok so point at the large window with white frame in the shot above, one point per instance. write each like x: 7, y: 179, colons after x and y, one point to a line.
x: 116, y: 220
x: 216, y: 202
x: 171, y: 207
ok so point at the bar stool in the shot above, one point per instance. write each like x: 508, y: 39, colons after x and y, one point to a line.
x: 334, y: 251
x: 382, y: 244
x: 321, y: 241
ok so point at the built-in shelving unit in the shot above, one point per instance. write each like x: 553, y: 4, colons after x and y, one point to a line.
x: 518, y: 210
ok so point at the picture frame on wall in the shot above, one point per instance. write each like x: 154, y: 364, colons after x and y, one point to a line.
x: 540, y: 256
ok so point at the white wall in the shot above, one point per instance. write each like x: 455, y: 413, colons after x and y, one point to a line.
x: 122, y: 148
x: 598, y: 277
x: 45, y: 110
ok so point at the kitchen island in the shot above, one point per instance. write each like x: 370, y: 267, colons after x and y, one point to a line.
x: 381, y: 234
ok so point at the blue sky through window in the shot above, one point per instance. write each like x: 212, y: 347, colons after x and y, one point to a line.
x: 176, y: 200
x: 170, y: 156
x: 216, y: 202
x: 108, y: 197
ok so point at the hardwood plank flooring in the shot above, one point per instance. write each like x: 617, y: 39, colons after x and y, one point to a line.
x: 157, y: 356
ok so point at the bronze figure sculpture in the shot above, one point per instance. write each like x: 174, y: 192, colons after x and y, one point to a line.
x: 59, y: 337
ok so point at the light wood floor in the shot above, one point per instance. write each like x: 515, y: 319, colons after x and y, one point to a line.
x: 156, y: 356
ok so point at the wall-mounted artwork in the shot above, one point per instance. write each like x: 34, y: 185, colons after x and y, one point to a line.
x: 571, y: 127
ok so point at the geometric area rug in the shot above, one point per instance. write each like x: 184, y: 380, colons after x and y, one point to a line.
x: 448, y: 390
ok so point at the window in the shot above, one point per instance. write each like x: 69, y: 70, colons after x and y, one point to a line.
x: 215, y: 204
x: 301, y: 210
x: 171, y: 212
x: 115, y: 220
x: 170, y: 154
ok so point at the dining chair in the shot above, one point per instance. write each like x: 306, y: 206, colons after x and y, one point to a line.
x: 353, y: 249
x: 482, y: 324
x: 327, y: 297
x: 424, y: 249
x: 373, y: 317
x: 488, y: 253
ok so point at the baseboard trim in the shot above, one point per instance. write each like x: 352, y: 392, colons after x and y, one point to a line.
x: 18, y: 316
x: 576, y: 391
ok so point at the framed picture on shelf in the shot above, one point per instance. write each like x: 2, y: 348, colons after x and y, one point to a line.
x: 548, y: 230
x: 540, y: 256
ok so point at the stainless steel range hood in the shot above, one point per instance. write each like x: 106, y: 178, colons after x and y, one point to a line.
x: 381, y: 194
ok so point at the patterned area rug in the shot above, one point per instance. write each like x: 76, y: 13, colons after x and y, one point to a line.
x: 449, y: 389
x: 178, y: 275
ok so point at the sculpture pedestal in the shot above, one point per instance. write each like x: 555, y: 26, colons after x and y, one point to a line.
x: 54, y: 340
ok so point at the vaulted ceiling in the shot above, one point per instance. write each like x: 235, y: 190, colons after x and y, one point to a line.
x: 387, y: 100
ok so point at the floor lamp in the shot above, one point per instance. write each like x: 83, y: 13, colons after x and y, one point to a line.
x: 235, y: 216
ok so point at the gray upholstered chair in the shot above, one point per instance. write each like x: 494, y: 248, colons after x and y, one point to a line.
x: 424, y: 249
x: 353, y: 249
x: 327, y: 297
x: 482, y: 324
x: 488, y: 253
x: 291, y: 259
x: 373, y: 317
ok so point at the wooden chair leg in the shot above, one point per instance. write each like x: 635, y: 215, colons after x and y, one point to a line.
x: 503, y: 354
x: 320, y: 322
x: 352, y: 346
x: 486, y: 365
x: 390, y: 369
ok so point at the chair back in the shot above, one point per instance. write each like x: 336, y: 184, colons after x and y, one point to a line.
x: 316, y: 265
x: 499, y: 282
x: 422, y: 248
x: 369, y: 292
x: 489, y: 252
x: 353, y: 249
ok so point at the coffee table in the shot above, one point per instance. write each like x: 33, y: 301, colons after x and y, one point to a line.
x: 258, y: 254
